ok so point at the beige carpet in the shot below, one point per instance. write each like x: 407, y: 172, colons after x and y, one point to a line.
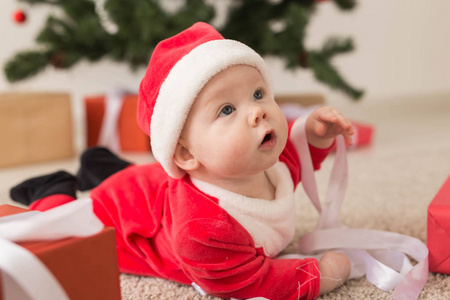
x: 391, y: 184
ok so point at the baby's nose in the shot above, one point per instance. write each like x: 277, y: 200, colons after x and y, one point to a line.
x: 256, y: 115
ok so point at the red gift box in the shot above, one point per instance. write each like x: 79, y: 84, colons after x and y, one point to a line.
x: 438, y: 230
x: 86, y: 268
x: 363, y: 134
x: 132, y: 138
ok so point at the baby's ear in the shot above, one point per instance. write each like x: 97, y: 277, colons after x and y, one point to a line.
x: 184, y: 159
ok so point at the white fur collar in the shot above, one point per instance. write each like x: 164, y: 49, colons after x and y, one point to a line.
x: 271, y: 223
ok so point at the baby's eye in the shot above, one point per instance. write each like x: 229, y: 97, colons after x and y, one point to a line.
x: 226, y: 110
x: 258, y: 95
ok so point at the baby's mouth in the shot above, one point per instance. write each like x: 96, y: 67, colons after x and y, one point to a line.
x: 267, y: 137
x: 268, y: 141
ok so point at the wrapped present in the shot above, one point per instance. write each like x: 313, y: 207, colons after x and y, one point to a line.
x: 111, y: 122
x: 438, y: 230
x: 35, y: 127
x: 81, y: 267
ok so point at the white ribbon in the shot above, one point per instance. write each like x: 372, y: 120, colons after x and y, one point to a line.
x: 378, y: 254
x: 23, y: 275
x: 109, y: 132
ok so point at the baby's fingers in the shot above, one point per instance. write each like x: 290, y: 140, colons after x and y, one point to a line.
x: 341, y: 125
x: 348, y: 136
x: 345, y: 123
x: 346, y: 129
x: 328, y: 115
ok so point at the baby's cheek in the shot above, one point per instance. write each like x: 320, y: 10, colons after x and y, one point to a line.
x: 232, y: 157
x: 283, y: 133
x: 230, y: 152
x: 239, y: 158
x: 240, y: 148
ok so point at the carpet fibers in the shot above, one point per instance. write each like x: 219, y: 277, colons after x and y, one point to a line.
x: 391, y: 184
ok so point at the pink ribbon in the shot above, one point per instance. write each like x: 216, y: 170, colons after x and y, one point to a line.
x: 380, y: 255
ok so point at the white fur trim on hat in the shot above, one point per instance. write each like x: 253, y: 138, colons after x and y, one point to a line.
x: 181, y: 87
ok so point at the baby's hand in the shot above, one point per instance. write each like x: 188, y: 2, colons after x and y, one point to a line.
x: 324, y: 124
x: 334, y: 271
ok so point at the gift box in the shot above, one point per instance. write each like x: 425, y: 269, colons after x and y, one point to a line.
x: 130, y: 135
x: 86, y: 268
x: 35, y: 127
x: 438, y: 230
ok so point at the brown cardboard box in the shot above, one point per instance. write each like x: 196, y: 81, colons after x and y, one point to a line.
x: 86, y: 268
x: 35, y: 127
x: 301, y: 99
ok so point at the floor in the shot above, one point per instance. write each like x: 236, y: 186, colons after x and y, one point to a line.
x: 391, y: 183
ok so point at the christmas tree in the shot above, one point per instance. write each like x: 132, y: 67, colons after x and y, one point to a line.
x: 127, y: 31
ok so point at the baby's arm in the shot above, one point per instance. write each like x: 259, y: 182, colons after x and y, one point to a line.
x: 334, y: 271
x: 220, y: 256
x: 324, y: 124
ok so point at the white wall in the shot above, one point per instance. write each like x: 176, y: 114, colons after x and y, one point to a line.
x: 403, y: 50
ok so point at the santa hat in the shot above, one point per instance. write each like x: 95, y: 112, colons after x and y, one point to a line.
x: 179, y: 68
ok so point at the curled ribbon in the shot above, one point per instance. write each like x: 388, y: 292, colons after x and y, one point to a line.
x: 23, y: 275
x: 380, y: 255
x: 109, y: 132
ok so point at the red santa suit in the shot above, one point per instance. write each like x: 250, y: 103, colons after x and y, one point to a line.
x: 193, y: 232
x: 175, y: 227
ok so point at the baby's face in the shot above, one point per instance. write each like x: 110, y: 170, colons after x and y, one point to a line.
x: 235, y: 128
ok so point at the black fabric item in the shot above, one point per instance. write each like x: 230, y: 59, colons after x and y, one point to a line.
x: 96, y: 165
x: 39, y: 187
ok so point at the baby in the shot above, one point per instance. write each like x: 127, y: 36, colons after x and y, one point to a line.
x: 218, y: 206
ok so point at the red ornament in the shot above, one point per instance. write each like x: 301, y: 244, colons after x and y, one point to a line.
x: 19, y: 16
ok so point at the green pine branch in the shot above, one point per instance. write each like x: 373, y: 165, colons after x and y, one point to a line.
x: 25, y: 64
x: 277, y: 28
x: 345, y: 4
x: 34, y: 2
x: 320, y: 63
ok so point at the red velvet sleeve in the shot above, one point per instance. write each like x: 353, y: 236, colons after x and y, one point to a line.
x: 291, y: 158
x: 220, y: 257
